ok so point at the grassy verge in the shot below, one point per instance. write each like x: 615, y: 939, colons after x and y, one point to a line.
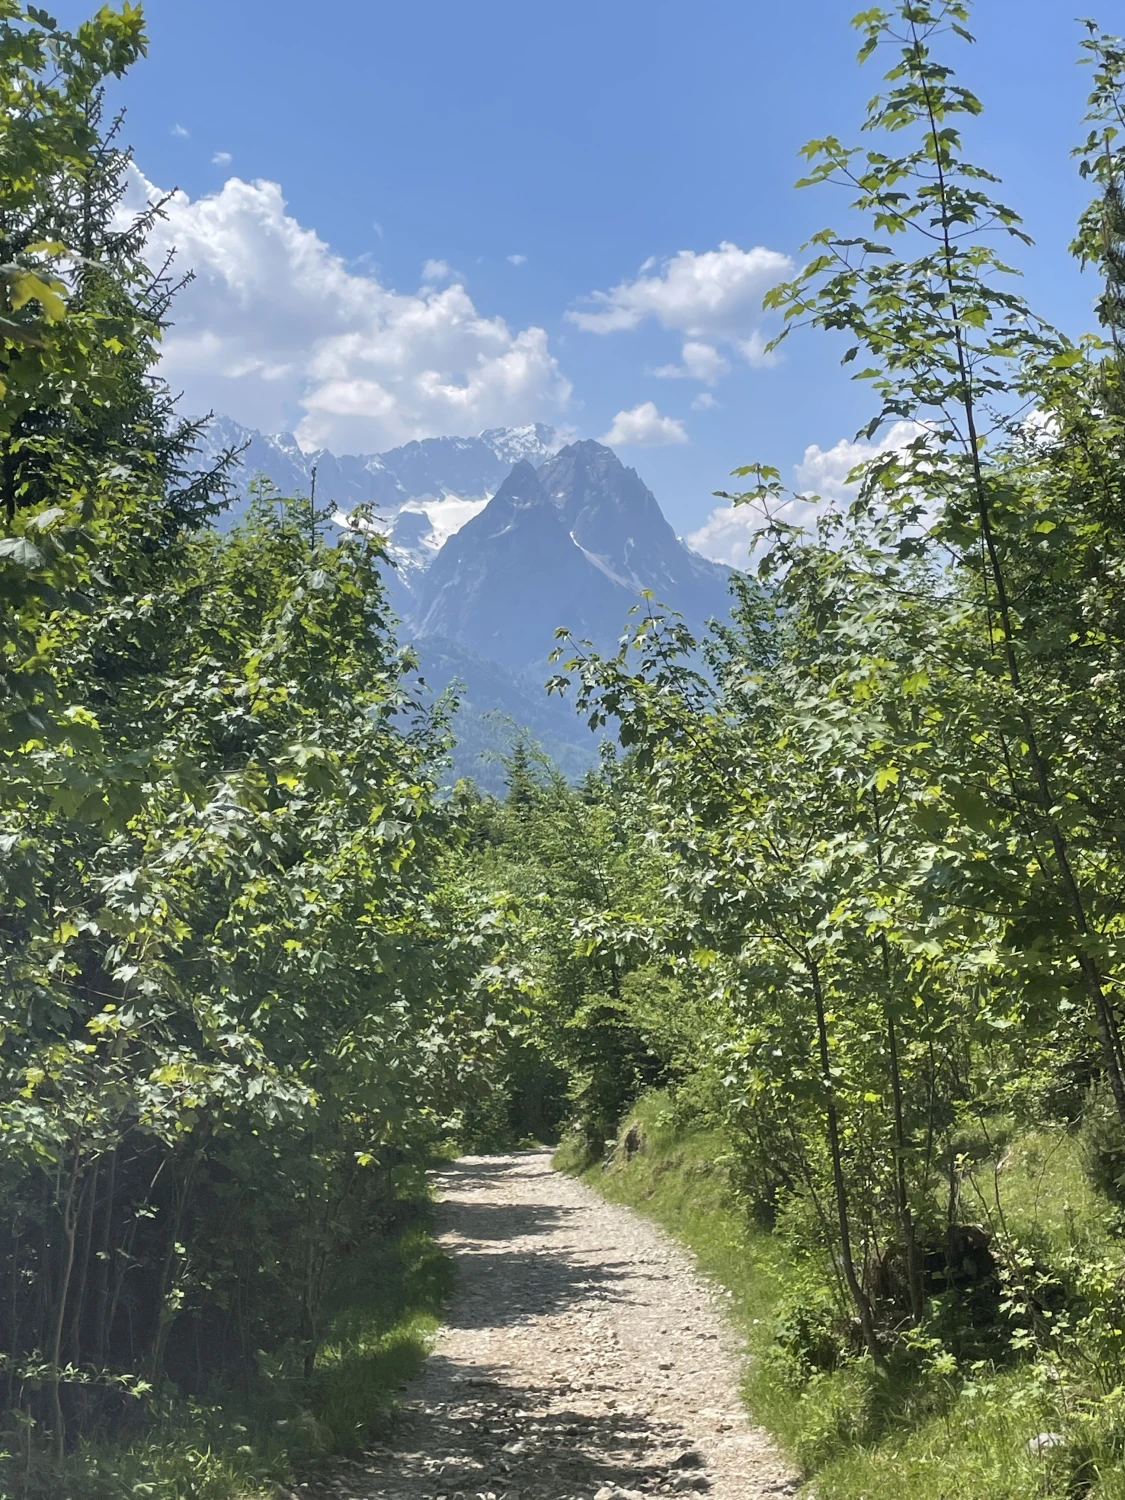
x: 932, y: 1432
x: 385, y: 1306
x: 387, y: 1309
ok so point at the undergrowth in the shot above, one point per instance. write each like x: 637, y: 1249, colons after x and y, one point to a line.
x: 1036, y: 1422
x: 385, y: 1305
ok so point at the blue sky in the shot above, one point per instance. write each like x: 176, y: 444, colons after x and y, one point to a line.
x: 588, y: 139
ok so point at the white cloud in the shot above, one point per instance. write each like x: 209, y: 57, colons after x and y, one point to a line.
x: 179, y: 130
x: 518, y: 260
x: 727, y: 535
x: 700, y: 362
x: 644, y: 427
x: 710, y: 297
x: 754, y: 350
x: 278, y: 331
x: 705, y: 402
x: 824, y: 471
x: 221, y: 159
x: 435, y: 270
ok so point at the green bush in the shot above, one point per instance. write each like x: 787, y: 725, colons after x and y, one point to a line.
x: 1102, y: 1137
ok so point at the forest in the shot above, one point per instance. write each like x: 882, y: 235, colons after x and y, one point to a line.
x: 847, y: 888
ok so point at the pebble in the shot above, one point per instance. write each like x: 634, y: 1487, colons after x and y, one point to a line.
x: 584, y: 1358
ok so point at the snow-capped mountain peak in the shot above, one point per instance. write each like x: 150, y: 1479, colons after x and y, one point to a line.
x: 530, y: 444
x: 499, y: 538
x: 460, y: 469
x: 572, y: 542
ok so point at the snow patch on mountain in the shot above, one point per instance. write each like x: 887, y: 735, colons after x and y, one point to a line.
x: 426, y: 475
x: 530, y: 444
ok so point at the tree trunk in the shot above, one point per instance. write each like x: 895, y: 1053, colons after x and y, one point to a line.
x: 859, y: 1296
x: 70, y: 1230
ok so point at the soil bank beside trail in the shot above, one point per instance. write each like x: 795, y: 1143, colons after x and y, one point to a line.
x: 583, y: 1356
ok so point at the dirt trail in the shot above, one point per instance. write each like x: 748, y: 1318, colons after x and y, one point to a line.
x: 583, y: 1357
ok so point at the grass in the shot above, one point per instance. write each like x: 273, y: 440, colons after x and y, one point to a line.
x: 386, y: 1305
x: 386, y: 1310
x: 928, y: 1432
x: 1036, y: 1186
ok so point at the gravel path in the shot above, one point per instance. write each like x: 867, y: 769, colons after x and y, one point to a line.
x: 584, y: 1358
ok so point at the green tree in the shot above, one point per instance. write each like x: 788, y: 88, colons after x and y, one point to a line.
x: 956, y: 350
x: 234, y: 998
x: 888, y: 805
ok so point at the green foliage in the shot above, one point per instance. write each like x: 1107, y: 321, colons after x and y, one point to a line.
x: 926, y: 1427
x: 236, y: 1004
x: 1103, y: 1142
x: 885, y: 799
x: 884, y: 807
x: 384, y: 1305
x: 854, y: 890
x: 579, y: 892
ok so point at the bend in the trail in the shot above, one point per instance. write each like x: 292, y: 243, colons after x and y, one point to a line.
x: 583, y: 1357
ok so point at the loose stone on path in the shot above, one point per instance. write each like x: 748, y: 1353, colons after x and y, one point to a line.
x: 584, y: 1359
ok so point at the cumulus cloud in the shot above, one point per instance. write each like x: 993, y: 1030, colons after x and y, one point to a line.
x: 824, y: 471
x: 435, y: 270
x: 644, y: 427
x: 715, y: 292
x: 754, y: 350
x: 700, y: 362
x: 710, y: 297
x: 518, y: 260
x: 727, y: 535
x: 278, y: 331
x: 221, y: 159
x: 705, y: 402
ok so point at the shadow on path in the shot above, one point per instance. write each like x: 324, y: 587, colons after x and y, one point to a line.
x: 513, y: 1259
x: 492, y: 1435
x: 500, y: 1288
x: 496, y: 1221
x: 579, y: 1356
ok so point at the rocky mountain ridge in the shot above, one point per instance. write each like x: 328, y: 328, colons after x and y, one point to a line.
x: 433, y: 469
x: 574, y: 543
x: 497, y: 540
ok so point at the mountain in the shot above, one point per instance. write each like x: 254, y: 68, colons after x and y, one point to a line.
x: 496, y: 705
x: 430, y: 470
x: 572, y: 543
x: 497, y: 540
x: 420, y: 493
x: 499, y: 584
x: 614, y: 518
